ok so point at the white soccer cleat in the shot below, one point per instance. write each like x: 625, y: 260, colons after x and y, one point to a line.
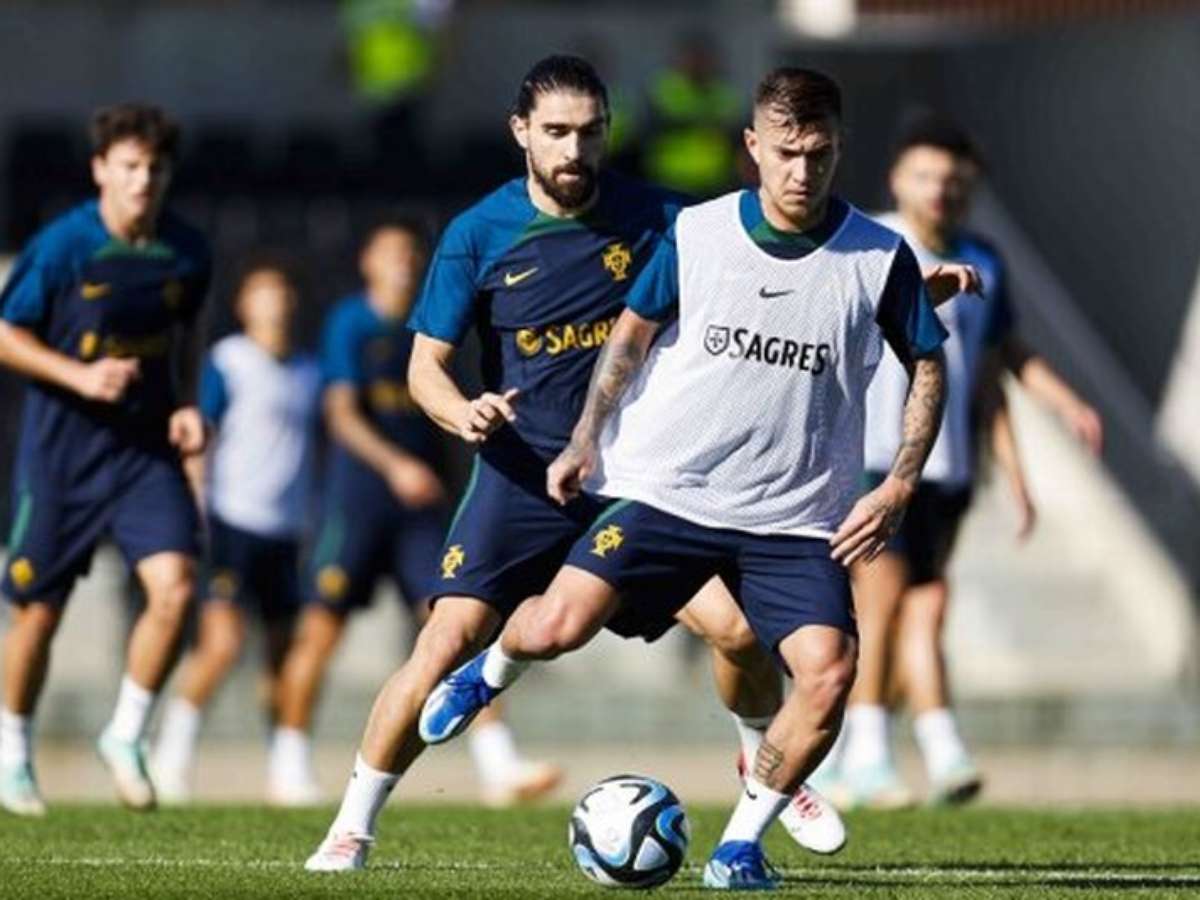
x: 292, y: 793
x: 19, y: 792
x: 958, y: 784
x: 530, y: 782
x: 813, y: 822
x: 342, y: 852
x: 126, y: 763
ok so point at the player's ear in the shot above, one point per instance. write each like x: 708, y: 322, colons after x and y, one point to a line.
x: 98, y: 170
x: 750, y: 136
x: 520, y: 130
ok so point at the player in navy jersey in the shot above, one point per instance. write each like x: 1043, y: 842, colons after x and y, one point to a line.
x: 384, y: 511
x: 99, y: 314
x: 540, y: 269
x: 902, y: 597
x: 262, y: 396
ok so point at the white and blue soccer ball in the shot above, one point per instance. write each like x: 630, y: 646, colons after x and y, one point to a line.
x: 629, y: 831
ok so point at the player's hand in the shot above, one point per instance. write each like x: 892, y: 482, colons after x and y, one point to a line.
x: 1085, y: 423
x: 186, y: 431
x: 107, y: 379
x: 486, y: 413
x: 871, y: 523
x: 565, y: 477
x: 415, y: 484
x: 951, y: 279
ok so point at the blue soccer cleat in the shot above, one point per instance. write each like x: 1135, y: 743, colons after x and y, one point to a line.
x: 739, y: 866
x: 455, y: 702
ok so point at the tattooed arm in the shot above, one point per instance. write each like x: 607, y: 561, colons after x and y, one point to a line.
x: 877, y: 515
x: 619, y: 362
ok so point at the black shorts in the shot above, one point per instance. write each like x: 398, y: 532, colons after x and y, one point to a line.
x: 256, y: 572
x: 926, y: 537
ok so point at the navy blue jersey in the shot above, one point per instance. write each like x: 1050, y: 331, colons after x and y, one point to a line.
x: 89, y: 295
x: 370, y: 353
x: 543, y: 293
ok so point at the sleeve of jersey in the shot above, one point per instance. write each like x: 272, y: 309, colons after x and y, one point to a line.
x: 35, y: 278
x: 905, y: 314
x: 339, y: 357
x: 447, y: 303
x: 1002, y: 319
x: 655, y: 293
x: 214, y: 396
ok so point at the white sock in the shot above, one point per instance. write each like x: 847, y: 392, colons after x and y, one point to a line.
x: 177, y: 736
x: 16, y: 739
x: 867, y: 744
x: 756, y: 810
x: 499, y: 669
x: 830, y: 767
x: 750, y: 730
x: 365, y: 795
x: 290, y: 758
x: 494, y: 752
x: 941, y: 746
x: 132, y: 713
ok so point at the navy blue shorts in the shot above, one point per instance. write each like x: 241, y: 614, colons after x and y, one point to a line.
x: 140, y: 499
x: 259, y: 574
x: 929, y: 531
x: 364, y: 538
x: 658, y: 561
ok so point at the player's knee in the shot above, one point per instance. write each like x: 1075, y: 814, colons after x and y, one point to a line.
x: 222, y: 650
x: 823, y: 681
x: 737, y: 642
x: 168, y: 600
x: 555, y: 629
x: 39, y: 620
x: 440, y: 644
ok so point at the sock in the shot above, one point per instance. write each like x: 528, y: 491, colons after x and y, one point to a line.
x: 494, y: 752
x: 499, y: 669
x: 177, y: 737
x: 750, y: 730
x: 132, y: 713
x: 290, y: 758
x: 365, y: 795
x: 16, y: 739
x: 867, y: 742
x: 937, y: 736
x: 754, y: 813
x: 829, y: 769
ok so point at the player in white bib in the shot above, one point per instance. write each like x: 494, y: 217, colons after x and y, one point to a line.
x: 261, y: 395
x: 726, y: 415
x: 902, y: 597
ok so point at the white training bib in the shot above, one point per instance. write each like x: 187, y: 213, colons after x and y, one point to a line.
x: 748, y: 413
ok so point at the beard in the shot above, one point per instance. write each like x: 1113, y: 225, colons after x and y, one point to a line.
x: 572, y: 195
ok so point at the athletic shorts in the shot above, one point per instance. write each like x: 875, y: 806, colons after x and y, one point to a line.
x: 139, y: 498
x: 658, y: 561
x: 930, y: 527
x: 258, y: 573
x: 365, y: 537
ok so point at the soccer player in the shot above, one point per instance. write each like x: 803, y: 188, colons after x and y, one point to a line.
x: 262, y: 396
x: 541, y: 268
x: 100, y: 315
x: 384, y: 512
x: 902, y: 596
x: 726, y: 413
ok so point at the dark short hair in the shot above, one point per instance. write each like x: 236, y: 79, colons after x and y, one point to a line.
x: 412, y: 224
x: 799, y: 96
x: 560, y: 72
x: 148, y: 124
x: 924, y: 128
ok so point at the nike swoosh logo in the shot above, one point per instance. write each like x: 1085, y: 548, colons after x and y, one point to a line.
x: 771, y: 295
x: 91, y: 290
x: 751, y: 794
x: 512, y: 278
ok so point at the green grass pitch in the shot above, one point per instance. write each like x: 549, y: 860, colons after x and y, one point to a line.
x: 94, y: 852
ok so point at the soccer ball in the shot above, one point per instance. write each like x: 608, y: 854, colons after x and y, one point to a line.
x: 629, y: 831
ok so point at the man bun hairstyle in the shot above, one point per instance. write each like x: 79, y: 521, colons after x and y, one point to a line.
x: 798, y: 97
x: 142, y: 122
x: 926, y: 128
x: 559, y: 72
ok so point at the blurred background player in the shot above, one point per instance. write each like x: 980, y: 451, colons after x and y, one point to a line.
x: 901, y: 597
x: 262, y: 396
x: 100, y: 316
x: 384, y: 513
